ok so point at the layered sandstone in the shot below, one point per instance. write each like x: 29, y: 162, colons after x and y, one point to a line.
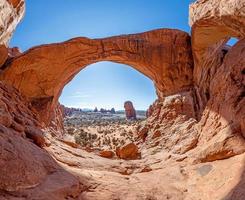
x: 163, y: 55
x: 27, y: 171
x: 191, y: 144
x: 11, y: 12
x: 213, y: 22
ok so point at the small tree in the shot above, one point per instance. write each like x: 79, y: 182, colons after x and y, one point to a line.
x: 102, y: 110
x: 113, y: 111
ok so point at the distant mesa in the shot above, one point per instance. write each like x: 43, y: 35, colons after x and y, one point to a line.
x: 129, y: 110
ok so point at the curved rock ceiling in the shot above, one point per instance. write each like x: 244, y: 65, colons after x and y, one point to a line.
x: 190, y: 141
x: 213, y: 23
x: 163, y: 55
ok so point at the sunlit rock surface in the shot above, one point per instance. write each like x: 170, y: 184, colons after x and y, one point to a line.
x: 190, y: 147
x: 163, y: 55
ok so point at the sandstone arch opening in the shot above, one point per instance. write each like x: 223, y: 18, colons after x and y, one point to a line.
x: 194, y: 134
x: 94, y: 105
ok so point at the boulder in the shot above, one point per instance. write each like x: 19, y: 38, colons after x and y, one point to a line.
x: 36, y: 135
x: 106, y: 154
x: 128, y: 152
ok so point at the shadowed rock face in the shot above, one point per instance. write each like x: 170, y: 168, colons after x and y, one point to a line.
x: 213, y: 22
x: 197, y: 118
x: 163, y: 55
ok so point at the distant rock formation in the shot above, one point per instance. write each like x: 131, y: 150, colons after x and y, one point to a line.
x: 69, y: 111
x: 103, y: 110
x: 129, y: 110
x: 198, y: 118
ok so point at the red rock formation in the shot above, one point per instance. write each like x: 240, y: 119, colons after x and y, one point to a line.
x: 129, y: 110
x: 27, y: 171
x: 224, y: 19
x: 128, y: 152
x: 106, y: 154
x: 3, y: 54
x: 14, y: 52
x: 12, y: 11
x: 219, y: 76
x: 191, y: 122
x: 51, y: 67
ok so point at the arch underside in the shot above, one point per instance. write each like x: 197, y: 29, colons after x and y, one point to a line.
x: 163, y: 55
x: 213, y: 23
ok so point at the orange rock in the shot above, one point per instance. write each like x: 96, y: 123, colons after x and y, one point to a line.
x: 224, y: 19
x: 129, y: 110
x: 12, y: 11
x: 69, y: 143
x: 172, y: 72
x: 36, y: 135
x: 14, y: 52
x: 3, y: 55
x: 143, y: 133
x: 146, y: 169
x: 156, y: 134
x: 128, y: 152
x: 106, y: 154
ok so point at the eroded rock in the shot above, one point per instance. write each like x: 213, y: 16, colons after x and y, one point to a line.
x: 50, y: 67
x: 11, y: 12
x: 128, y: 152
x: 129, y: 110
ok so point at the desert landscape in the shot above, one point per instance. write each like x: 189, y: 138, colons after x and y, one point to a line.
x: 188, y: 145
x: 100, y: 131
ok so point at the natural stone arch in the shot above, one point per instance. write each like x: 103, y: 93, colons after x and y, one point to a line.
x: 213, y: 22
x: 163, y: 55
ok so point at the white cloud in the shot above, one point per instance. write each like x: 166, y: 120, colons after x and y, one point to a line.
x: 79, y: 95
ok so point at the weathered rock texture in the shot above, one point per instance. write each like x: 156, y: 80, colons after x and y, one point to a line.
x: 213, y: 22
x: 163, y: 55
x: 129, y: 110
x: 27, y: 171
x: 128, y: 152
x: 192, y: 143
x: 11, y: 12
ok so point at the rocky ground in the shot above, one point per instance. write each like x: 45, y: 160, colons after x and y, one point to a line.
x: 190, y: 147
x: 101, y: 131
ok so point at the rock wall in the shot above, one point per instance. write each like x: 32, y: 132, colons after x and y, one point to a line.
x: 213, y: 22
x: 198, y: 116
x: 27, y: 171
x: 11, y: 13
x: 219, y: 76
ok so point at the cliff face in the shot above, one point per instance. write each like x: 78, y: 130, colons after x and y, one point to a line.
x: 27, y: 170
x: 11, y: 13
x: 194, y: 131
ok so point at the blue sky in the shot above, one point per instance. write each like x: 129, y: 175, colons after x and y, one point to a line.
x: 102, y: 84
